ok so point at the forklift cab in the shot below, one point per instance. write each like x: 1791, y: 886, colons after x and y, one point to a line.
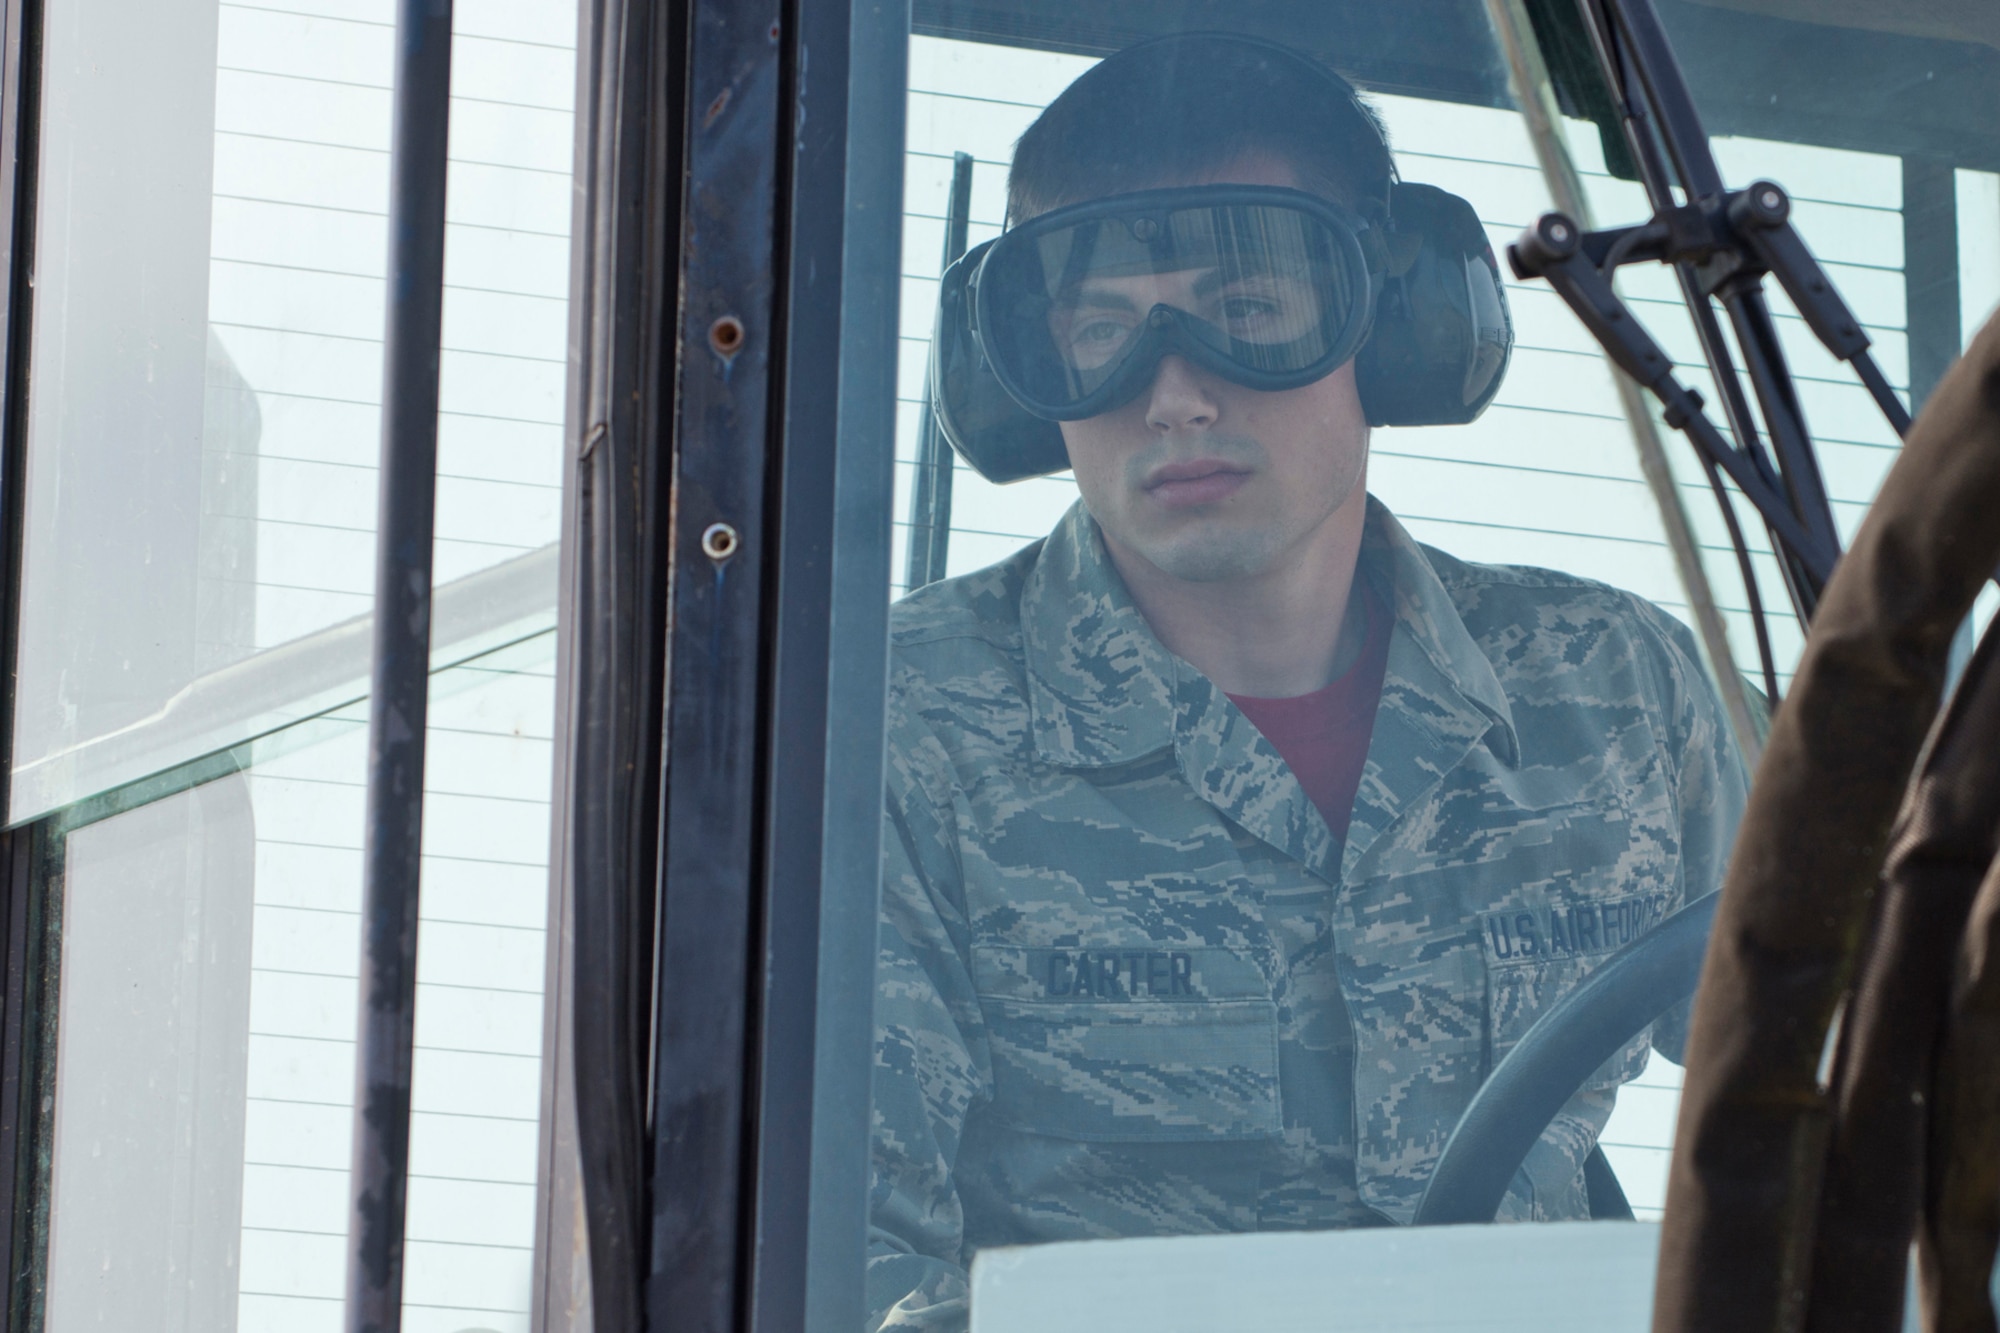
x: 729, y: 925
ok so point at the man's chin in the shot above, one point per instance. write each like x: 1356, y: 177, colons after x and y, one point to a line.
x: 1209, y: 557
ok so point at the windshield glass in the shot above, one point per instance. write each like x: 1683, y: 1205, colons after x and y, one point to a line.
x: 1280, y: 725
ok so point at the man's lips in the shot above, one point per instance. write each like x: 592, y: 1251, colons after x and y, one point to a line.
x: 1202, y: 481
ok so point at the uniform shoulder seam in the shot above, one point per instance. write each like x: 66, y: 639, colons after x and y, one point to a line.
x: 1454, y: 572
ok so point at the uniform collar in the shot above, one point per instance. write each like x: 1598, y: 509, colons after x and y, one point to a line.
x: 1100, y: 685
x: 1441, y: 696
x: 1103, y: 690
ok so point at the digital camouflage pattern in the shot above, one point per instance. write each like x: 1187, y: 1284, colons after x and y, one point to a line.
x: 1130, y: 983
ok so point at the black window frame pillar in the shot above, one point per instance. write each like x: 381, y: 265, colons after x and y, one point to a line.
x: 724, y: 647
x: 30, y: 856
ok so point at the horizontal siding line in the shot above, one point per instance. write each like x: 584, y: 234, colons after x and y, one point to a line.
x: 358, y: 402
x: 348, y: 1105
x: 474, y: 667
x: 372, y: 468
x: 349, y: 976
x: 376, y: 341
x: 356, y: 912
x: 1609, y: 179
x: 339, y: 592
x: 292, y: 77
x: 297, y: 141
x: 215, y: 259
x: 1646, y: 304
x: 284, y: 523
x: 461, y: 1244
x: 971, y: 97
x: 1606, y: 178
x: 1691, y: 486
x: 536, y: 802
x: 356, y: 847
x: 307, y: 524
x: 373, y: 23
x: 1525, y: 468
x: 307, y: 587
x: 947, y: 157
x: 420, y: 1046
x: 414, y: 1175
x: 1023, y: 537
x: 438, y: 985
x: 1657, y: 543
x: 407, y: 1304
x: 269, y: 202
x: 294, y: 13
x: 435, y: 729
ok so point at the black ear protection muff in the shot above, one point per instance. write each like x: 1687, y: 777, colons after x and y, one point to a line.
x: 1438, y: 339
x: 1442, y: 334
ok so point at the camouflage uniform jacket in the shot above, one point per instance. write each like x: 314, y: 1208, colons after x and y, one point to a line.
x: 1131, y: 984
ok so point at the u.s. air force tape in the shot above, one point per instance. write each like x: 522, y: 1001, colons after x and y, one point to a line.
x: 1569, y: 930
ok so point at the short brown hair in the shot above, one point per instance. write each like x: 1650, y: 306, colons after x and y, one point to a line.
x: 1177, y: 106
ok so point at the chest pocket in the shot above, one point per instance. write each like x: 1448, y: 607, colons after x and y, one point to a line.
x: 1595, y: 885
x: 1131, y: 1045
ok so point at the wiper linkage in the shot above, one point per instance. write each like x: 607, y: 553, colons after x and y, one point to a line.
x: 1720, y: 243
x: 1729, y: 241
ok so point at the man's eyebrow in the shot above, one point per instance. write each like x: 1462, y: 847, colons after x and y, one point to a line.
x: 1207, y: 283
x: 1097, y: 298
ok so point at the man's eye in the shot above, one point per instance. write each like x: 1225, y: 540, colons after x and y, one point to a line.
x: 1244, y: 308
x: 1095, y: 342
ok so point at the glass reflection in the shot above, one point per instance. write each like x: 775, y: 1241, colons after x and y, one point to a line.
x: 204, y: 1074
x: 206, y: 360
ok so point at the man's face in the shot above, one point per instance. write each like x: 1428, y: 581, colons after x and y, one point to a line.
x: 1204, y: 479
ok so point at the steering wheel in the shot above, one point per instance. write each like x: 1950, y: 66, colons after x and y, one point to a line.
x: 1555, y: 1055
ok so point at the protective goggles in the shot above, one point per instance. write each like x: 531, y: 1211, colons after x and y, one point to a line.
x: 1268, y: 288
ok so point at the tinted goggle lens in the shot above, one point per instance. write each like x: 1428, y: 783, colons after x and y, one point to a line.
x: 1074, y: 311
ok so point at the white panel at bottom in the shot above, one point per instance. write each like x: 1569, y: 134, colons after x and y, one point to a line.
x: 1569, y: 1277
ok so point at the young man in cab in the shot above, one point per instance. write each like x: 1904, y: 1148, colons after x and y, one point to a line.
x: 1232, y: 835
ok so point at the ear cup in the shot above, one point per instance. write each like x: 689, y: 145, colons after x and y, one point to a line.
x: 1442, y: 333
x: 988, y: 428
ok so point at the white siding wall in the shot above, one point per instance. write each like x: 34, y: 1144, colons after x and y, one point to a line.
x: 295, y: 284
x: 296, y: 290
x: 479, y: 996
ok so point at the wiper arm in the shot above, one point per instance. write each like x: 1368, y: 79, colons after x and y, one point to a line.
x: 1721, y: 244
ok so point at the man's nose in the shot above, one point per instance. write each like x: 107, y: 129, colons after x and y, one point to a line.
x: 1179, y: 400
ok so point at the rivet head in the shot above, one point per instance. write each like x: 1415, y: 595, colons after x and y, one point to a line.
x: 726, y: 335
x: 1558, y: 232
x: 719, y: 541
